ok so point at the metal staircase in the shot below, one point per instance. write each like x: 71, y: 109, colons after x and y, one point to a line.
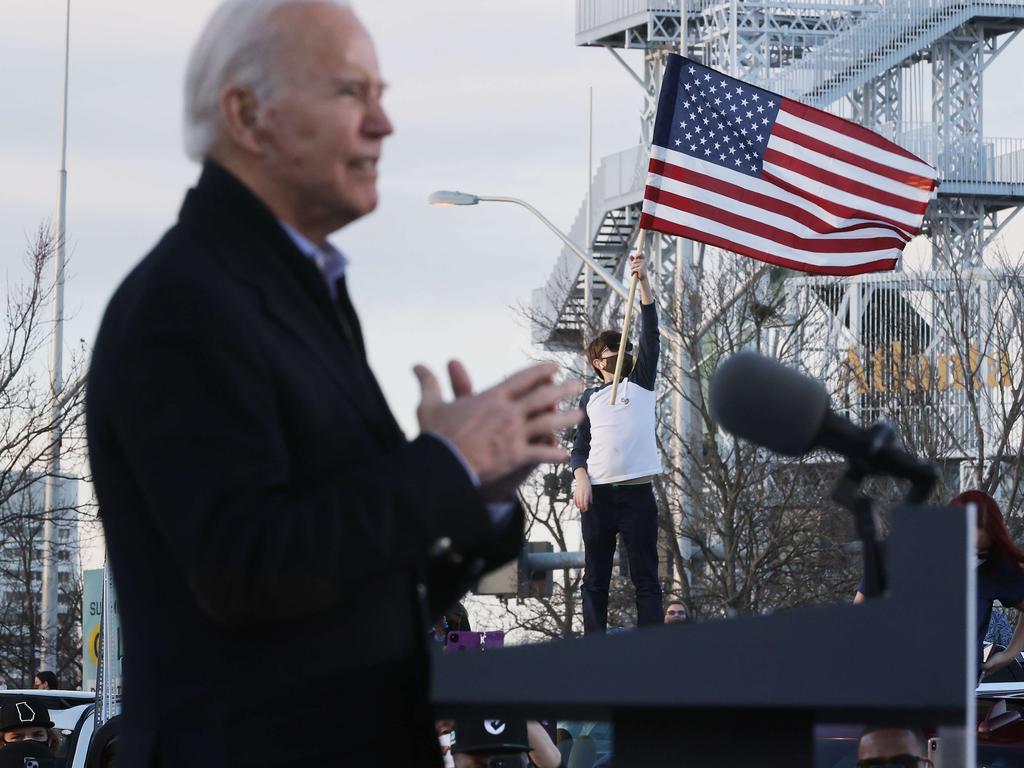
x: 900, y: 32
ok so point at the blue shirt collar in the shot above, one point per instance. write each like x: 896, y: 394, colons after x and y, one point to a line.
x: 329, y: 260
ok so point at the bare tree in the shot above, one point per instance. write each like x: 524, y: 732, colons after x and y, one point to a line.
x: 744, y: 530
x: 32, y: 417
x: 30, y: 412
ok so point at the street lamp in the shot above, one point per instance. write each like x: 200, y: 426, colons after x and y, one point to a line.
x: 445, y: 198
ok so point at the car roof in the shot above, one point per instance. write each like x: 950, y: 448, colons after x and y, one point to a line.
x: 1001, y: 691
x: 7, y: 693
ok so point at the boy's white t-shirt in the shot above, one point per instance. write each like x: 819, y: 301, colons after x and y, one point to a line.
x: 619, y: 443
x: 623, y: 445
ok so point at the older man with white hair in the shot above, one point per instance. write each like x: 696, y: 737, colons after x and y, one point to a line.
x: 278, y: 545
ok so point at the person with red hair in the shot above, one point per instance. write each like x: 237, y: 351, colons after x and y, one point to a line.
x: 1000, y: 573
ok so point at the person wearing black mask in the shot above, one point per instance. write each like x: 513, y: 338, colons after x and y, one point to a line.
x: 26, y: 754
x: 614, y: 460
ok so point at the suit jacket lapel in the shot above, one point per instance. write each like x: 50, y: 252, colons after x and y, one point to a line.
x: 258, y: 252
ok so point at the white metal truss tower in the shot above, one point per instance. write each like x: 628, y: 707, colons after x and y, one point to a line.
x: 910, y: 69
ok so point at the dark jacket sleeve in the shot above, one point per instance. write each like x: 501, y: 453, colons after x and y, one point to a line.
x: 581, y: 441
x: 646, y: 370
x: 193, y: 410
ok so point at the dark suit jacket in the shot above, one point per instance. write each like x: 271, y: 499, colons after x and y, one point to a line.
x: 268, y: 524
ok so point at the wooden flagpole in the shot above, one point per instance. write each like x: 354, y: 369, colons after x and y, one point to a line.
x: 625, y: 323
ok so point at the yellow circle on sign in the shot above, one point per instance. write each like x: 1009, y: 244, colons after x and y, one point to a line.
x: 94, y: 644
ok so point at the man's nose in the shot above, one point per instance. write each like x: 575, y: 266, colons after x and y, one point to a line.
x: 377, y: 122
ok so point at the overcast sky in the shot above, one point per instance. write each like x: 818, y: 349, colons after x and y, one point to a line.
x: 482, y: 100
x: 486, y: 97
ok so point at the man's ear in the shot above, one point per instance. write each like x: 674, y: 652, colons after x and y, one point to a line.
x: 241, y: 113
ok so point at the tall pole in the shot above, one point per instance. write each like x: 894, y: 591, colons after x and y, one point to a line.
x: 685, y: 421
x: 588, y: 278
x: 51, y: 579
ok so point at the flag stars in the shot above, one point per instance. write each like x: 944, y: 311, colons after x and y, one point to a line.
x: 718, y: 102
x: 753, y: 169
x: 745, y: 102
x: 707, y: 77
x: 771, y: 104
x: 692, y: 70
x: 737, y: 162
x: 679, y: 142
x: 722, y: 156
x: 760, y: 109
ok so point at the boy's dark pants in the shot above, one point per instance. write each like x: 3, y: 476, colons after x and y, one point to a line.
x: 631, y: 511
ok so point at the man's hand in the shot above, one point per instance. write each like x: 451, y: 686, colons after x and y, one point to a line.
x: 504, y: 432
x: 638, y: 265
x: 582, y: 493
x: 996, y: 661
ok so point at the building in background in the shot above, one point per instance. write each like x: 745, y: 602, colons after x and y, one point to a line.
x: 21, y: 581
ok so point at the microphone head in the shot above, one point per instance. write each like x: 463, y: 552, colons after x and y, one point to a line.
x: 758, y: 399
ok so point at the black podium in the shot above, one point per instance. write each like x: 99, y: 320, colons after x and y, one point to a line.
x: 748, y: 691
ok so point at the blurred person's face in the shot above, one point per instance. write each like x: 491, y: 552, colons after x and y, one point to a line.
x: 891, y: 747
x: 319, y: 135
x: 982, y: 540
x: 676, y: 612
x: 32, y: 733
x: 39, y: 685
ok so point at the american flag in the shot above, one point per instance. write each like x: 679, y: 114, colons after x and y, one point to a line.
x: 743, y: 169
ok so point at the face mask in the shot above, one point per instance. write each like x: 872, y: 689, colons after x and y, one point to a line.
x: 627, y: 364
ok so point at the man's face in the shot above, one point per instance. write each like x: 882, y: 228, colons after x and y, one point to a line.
x: 877, y: 747
x: 322, y: 128
x: 675, y: 612
x: 32, y: 733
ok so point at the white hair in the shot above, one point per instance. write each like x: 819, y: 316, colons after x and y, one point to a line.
x: 235, y: 48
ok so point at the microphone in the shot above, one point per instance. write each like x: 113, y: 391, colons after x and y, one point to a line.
x: 762, y: 401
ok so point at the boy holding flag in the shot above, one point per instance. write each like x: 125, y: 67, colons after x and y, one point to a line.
x: 614, y: 461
